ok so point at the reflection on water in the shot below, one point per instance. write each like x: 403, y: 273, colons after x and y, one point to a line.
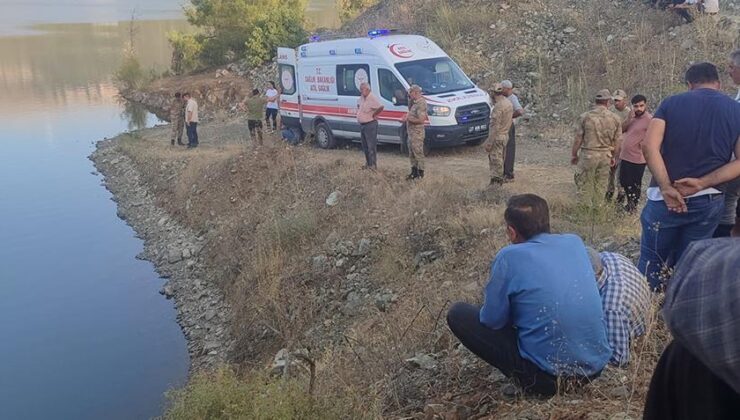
x: 134, y: 114
x: 72, y: 64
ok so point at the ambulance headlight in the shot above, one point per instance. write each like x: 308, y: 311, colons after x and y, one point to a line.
x: 439, y: 111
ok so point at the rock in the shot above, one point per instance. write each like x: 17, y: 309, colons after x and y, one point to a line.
x: 319, y: 262
x: 186, y: 253
x: 167, y: 291
x: 340, y: 262
x: 363, y: 248
x: 423, y: 361
x: 447, y: 283
x: 471, y: 287
x: 162, y: 221
x: 425, y: 257
x: 609, y: 38
x: 510, y: 390
x: 174, y: 256
x: 383, y: 301
x: 333, y: 199
x: 619, y: 392
x: 688, y: 44
x: 569, y: 30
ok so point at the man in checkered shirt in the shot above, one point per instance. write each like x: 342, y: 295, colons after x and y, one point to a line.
x: 625, y: 296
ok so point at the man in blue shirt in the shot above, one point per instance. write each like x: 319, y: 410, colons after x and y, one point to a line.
x: 688, y: 147
x: 541, y: 320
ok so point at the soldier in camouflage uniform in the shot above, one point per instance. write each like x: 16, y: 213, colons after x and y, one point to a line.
x: 622, y: 110
x: 595, y: 149
x: 177, y: 119
x: 498, y: 135
x: 415, y: 119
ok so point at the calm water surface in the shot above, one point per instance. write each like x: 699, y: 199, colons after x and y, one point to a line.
x: 84, y: 333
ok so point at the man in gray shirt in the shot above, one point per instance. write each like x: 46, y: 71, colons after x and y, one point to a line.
x: 510, y: 149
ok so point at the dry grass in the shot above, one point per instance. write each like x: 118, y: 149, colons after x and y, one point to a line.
x: 264, y: 219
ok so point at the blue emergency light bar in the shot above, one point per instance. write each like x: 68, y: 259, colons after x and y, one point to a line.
x: 314, y: 38
x: 374, y: 33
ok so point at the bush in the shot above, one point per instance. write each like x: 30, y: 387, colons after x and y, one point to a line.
x: 186, y: 51
x: 224, y: 395
x: 349, y: 9
x: 234, y: 29
x: 130, y: 74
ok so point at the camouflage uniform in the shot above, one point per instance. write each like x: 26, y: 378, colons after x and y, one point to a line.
x: 600, y: 130
x: 501, y: 120
x: 177, y: 120
x: 417, y: 110
x: 622, y: 115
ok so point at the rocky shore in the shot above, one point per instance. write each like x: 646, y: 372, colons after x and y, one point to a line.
x: 175, y: 251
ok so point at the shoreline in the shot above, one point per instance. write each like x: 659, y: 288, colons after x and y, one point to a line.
x: 175, y: 251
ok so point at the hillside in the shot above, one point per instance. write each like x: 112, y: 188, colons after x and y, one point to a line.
x: 323, y: 266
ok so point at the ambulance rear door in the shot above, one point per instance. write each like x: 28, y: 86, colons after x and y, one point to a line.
x: 290, y: 99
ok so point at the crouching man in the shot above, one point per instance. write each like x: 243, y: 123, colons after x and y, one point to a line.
x: 626, y: 299
x: 541, y: 323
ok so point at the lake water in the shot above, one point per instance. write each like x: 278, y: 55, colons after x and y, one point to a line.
x: 84, y: 333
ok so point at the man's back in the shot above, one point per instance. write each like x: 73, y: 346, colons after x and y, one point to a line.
x: 600, y: 129
x: 255, y: 106
x: 545, y: 288
x: 503, y: 111
x: 702, y: 127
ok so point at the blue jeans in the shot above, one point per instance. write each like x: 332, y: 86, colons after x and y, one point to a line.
x: 666, y: 234
x: 192, y: 132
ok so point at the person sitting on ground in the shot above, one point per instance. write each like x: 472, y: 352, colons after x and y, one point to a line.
x: 698, y: 374
x: 625, y: 297
x: 541, y: 322
x: 288, y: 135
x: 255, y: 106
x: 681, y: 7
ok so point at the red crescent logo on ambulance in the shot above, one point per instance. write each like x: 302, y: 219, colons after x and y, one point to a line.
x: 401, y: 51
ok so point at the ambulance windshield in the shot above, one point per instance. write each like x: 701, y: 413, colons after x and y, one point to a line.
x: 434, y: 75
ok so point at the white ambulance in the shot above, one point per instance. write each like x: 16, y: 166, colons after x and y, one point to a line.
x: 320, y: 84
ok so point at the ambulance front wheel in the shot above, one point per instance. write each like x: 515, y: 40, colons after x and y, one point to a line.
x: 324, y: 137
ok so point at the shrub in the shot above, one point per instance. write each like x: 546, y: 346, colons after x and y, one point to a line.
x: 349, y: 9
x: 186, y: 51
x: 130, y: 74
x: 224, y: 395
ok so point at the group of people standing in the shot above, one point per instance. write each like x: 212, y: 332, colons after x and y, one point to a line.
x: 184, y: 117
x: 556, y: 312
x: 257, y: 105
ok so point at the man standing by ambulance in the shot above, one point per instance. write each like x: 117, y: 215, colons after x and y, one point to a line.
x: 368, y: 109
x: 415, y: 119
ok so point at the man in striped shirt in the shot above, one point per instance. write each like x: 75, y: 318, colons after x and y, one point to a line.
x: 625, y: 296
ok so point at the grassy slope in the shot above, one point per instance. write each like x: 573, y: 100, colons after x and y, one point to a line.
x: 264, y: 215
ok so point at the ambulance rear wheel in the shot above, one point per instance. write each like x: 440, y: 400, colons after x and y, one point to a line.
x: 324, y: 138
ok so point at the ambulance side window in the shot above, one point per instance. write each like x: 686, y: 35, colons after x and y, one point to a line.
x: 350, y: 77
x: 391, y: 89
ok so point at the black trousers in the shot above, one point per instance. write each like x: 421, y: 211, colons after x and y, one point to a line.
x: 682, y: 387
x: 510, y: 154
x: 630, y: 178
x: 500, y: 349
x: 271, y: 113
x: 369, y: 141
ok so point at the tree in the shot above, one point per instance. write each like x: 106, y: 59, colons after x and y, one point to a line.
x: 250, y: 29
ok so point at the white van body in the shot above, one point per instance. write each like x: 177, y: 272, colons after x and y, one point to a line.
x: 320, y: 89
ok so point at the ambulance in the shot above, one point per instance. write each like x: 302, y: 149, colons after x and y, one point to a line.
x: 320, y: 86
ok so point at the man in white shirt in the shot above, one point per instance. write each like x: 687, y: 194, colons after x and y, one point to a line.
x: 191, y: 120
x: 271, y: 110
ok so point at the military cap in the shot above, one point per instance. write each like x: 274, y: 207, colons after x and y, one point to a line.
x: 604, y: 94
x: 619, y: 95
